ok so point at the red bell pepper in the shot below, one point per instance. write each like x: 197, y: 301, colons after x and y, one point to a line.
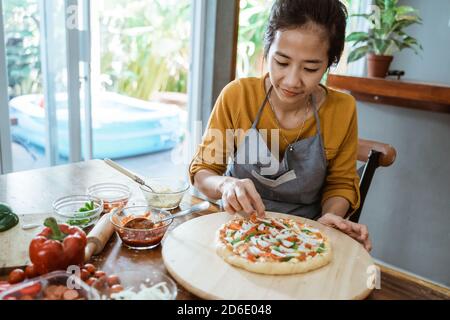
x: 57, y: 247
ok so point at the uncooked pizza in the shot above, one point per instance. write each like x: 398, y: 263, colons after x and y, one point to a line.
x: 272, y: 245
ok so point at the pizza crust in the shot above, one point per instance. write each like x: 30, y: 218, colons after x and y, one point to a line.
x: 270, y: 267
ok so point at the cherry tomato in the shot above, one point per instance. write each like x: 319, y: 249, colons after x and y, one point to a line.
x: 112, y: 280
x: 85, y: 274
x: 116, y: 288
x: 90, y: 267
x: 30, y: 271
x: 99, y: 274
x: 100, y: 283
x: 31, y: 290
x: 91, y: 281
x: 16, y: 276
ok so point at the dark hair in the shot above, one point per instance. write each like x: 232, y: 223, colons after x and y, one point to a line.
x: 290, y: 14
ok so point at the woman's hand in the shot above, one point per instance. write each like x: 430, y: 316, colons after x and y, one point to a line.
x: 241, y: 195
x: 357, y: 231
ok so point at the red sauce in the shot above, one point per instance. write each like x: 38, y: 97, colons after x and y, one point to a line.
x: 108, y: 206
x: 142, y: 232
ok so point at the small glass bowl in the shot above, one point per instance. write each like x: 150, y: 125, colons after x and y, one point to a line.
x: 67, y: 210
x: 136, y: 280
x: 114, y: 195
x: 46, y: 287
x: 167, y: 192
x: 143, y: 236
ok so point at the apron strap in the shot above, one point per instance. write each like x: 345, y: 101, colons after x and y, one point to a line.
x: 316, y: 114
x: 319, y: 130
x: 261, y: 109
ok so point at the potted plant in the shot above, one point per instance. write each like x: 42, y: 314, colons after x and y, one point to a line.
x: 385, y: 36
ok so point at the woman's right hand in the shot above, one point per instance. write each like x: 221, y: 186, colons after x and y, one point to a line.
x: 241, y: 195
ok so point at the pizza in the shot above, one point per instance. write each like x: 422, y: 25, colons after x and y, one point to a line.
x: 272, y: 245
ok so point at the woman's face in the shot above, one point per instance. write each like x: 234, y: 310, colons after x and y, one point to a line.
x: 297, y: 60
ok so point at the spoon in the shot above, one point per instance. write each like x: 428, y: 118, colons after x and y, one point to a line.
x: 127, y: 173
x: 202, y: 206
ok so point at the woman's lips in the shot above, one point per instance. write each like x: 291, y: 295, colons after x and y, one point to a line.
x: 289, y: 93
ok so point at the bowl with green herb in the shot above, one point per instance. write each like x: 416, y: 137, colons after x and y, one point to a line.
x: 78, y: 210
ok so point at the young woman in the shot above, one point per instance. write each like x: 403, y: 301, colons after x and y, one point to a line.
x: 312, y: 130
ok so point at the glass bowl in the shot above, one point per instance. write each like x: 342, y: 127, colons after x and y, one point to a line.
x: 58, y: 285
x: 78, y: 210
x: 114, y: 195
x: 138, y: 228
x: 167, y: 192
x: 142, y: 285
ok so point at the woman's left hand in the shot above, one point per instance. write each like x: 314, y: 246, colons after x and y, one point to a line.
x: 357, y: 231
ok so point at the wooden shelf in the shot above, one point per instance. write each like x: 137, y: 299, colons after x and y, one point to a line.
x: 415, y: 95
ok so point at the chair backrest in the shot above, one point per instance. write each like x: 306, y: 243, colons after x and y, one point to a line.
x: 374, y: 154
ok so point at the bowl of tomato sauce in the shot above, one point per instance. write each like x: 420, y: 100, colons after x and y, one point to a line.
x: 139, y: 228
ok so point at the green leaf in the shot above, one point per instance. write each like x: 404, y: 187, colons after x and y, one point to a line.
x: 401, y: 10
x: 247, y: 238
x: 357, y: 53
x: 321, y: 248
x: 235, y: 241
x: 357, y: 36
x: 363, y: 15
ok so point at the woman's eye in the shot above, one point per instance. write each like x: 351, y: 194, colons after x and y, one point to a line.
x: 311, y: 70
x: 281, y: 64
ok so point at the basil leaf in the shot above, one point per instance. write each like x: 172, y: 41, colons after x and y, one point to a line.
x: 235, y: 241
x: 247, y: 238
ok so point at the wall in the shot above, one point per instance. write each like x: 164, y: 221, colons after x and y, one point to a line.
x: 408, y: 207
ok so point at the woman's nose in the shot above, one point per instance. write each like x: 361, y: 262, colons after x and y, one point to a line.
x: 293, y: 78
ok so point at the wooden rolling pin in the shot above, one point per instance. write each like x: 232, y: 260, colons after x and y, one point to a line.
x: 99, y: 236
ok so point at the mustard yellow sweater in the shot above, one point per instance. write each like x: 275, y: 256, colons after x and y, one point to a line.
x: 236, y: 108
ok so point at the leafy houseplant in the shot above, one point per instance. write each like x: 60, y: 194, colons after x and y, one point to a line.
x: 385, y: 35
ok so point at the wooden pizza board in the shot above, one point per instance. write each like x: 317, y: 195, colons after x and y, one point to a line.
x: 15, y: 242
x: 189, y: 255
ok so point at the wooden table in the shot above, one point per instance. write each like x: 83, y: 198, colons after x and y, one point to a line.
x: 34, y: 191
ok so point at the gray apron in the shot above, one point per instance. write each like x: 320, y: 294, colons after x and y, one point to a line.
x: 296, y: 187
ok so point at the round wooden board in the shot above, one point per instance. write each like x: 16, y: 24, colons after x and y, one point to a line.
x: 189, y: 255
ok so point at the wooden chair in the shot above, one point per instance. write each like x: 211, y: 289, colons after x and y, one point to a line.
x: 374, y: 155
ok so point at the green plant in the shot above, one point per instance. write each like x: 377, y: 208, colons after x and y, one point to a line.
x: 22, y: 47
x: 145, y: 46
x: 385, y: 35
x: 253, y: 18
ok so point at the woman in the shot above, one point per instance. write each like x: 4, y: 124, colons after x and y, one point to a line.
x: 312, y: 130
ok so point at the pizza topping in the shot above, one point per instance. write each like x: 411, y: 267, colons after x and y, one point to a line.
x: 273, y: 239
x: 287, y: 243
x: 277, y: 253
x: 255, y: 250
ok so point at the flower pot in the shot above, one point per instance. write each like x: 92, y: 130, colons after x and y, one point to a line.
x: 378, y: 65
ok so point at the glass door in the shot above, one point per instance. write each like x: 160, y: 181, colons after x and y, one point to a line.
x: 140, y: 63
x: 42, y: 58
